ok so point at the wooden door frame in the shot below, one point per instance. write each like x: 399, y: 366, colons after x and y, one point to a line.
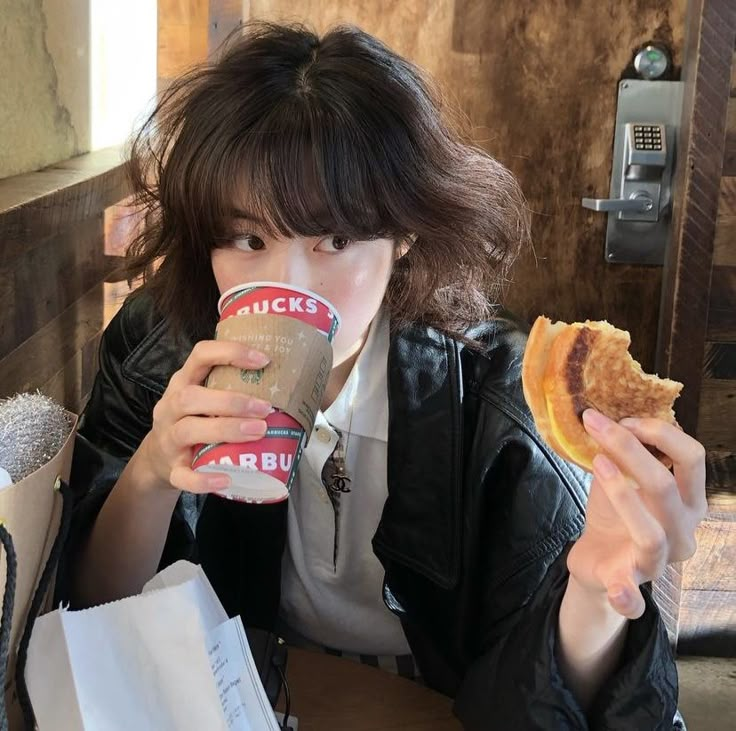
x: 683, y: 319
x: 686, y: 283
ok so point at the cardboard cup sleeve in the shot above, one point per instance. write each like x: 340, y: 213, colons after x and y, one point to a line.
x: 294, y: 382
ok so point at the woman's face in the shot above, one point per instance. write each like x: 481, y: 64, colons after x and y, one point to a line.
x: 352, y: 275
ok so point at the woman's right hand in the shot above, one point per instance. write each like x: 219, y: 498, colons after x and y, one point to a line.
x: 189, y: 413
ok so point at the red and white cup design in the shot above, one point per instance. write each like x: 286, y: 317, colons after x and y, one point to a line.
x: 264, y: 471
x: 262, y: 298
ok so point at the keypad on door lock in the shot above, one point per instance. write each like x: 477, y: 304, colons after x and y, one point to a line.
x: 648, y: 137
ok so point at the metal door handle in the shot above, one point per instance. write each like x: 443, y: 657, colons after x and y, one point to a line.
x: 639, y: 203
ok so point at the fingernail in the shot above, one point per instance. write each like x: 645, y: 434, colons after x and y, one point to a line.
x: 604, y: 467
x: 253, y: 428
x: 595, y: 420
x: 260, y: 408
x: 218, y: 482
x: 629, y: 422
x: 259, y: 359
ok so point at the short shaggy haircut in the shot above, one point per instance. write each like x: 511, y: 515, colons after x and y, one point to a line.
x: 314, y: 136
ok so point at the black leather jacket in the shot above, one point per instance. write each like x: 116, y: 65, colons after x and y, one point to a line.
x: 473, y: 536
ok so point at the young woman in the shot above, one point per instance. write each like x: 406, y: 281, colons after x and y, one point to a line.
x: 463, y: 543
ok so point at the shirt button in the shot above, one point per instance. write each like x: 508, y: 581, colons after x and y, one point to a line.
x: 324, y: 436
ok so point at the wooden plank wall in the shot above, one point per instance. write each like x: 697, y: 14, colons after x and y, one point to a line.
x: 52, y: 270
x: 189, y: 30
x: 182, y: 37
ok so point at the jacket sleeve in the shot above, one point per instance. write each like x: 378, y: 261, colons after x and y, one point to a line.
x: 516, y: 682
x: 115, y: 420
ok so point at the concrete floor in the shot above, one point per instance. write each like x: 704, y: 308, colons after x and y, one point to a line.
x: 708, y: 693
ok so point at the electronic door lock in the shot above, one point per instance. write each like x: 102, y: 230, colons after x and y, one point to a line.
x: 642, y: 186
x: 647, y: 122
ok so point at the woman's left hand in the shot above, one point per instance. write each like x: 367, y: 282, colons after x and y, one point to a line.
x: 640, y: 515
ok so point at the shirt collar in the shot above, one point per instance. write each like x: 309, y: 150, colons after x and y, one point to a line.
x: 361, y: 407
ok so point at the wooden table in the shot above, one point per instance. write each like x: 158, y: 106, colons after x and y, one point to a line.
x: 340, y: 695
x: 332, y: 693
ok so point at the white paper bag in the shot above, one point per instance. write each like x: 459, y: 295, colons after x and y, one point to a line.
x: 166, y: 659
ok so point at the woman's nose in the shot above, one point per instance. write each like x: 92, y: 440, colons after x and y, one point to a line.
x: 291, y: 266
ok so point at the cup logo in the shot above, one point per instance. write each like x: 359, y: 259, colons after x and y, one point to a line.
x: 281, y: 306
x: 251, y: 376
x: 263, y: 462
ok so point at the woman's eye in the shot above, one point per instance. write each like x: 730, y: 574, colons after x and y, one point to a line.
x: 249, y: 243
x: 338, y: 243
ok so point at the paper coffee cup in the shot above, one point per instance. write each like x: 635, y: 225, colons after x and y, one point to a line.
x: 295, y: 328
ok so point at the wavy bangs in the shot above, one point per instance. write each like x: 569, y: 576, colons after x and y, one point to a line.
x: 297, y: 175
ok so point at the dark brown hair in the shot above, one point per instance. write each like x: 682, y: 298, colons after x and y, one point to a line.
x: 336, y: 134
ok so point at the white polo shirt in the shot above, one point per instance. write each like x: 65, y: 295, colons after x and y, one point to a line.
x: 331, y: 590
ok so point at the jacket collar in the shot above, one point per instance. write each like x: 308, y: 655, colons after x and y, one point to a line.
x: 420, y: 525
